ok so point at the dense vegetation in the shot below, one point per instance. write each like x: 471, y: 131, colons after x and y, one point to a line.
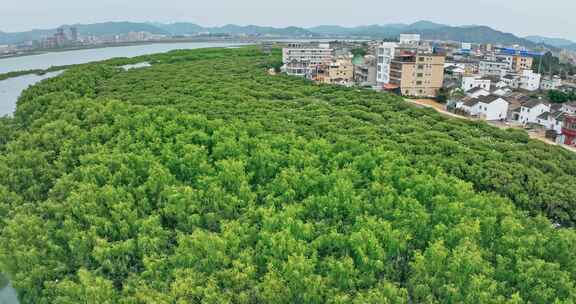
x: 204, y: 180
x: 552, y: 65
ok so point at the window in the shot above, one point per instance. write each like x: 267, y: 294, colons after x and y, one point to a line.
x: 419, y: 75
x: 418, y: 82
x: 421, y: 59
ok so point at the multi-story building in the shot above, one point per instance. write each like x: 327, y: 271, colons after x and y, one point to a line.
x: 74, y: 34
x: 569, y: 130
x: 365, y: 72
x: 530, y: 111
x: 301, y: 59
x: 385, y: 53
x: 340, y: 71
x: 470, y: 82
x: 550, y: 83
x: 521, y: 63
x: 493, y: 67
x: 529, y: 80
x: 417, y: 74
x: 410, y: 39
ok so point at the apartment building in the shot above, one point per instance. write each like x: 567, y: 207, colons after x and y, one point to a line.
x: 384, y: 54
x: 300, y: 59
x: 365, y: 72
x: 417, y: 74
x: 493, y: 67
x: 529, y: 80
x: 521, y: 63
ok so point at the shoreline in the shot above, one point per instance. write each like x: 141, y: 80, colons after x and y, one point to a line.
x: 124, y: 44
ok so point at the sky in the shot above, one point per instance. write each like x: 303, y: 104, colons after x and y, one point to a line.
x: 552, y: 18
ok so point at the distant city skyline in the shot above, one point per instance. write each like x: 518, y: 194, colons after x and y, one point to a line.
x: 552, y: 18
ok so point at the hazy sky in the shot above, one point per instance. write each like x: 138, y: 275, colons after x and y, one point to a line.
x: 553, y: 18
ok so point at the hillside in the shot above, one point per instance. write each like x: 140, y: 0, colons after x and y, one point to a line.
x: 429, y: 30
x: 202, y: 179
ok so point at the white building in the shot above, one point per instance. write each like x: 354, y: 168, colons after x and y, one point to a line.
x: 491, y: 107
x: 529, y: 80
x: 470, y: 82
x: 492, y: 68
x: 305, y: 57
x: 511, y: 80
x: 550, y: 83
x: 477, y: 92
x: 385, y: 54
x: 529, y: 111
x: 413, y: 39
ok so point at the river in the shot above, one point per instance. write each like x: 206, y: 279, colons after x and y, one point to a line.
x: 10, y: 89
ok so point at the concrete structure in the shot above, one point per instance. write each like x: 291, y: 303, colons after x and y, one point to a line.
x: 365, y: 72
x: 417, y: 74
x: 340, y: 71
x: 521, y: 63
x: 477, y: 92
x: 491, y: 107
x: 492, y: 68
x: 569, y: 130
x: 470, y: 82
x: 410, y: 39
x: 301, y: 59
x: 550, y: 83
x: 385, y: 53
x: 511, y: 80
x: 529, y: 111
x: 529, y: 80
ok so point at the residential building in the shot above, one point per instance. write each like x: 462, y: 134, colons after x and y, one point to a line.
x: 385, y: 53
x: 554, y: 119
x: 492, y: 68
x: 470, y: 82
x: 340, y: 71
x: 569, y: 130
x: 491, y: 107
x: 550, y: 83
x: 301, y: 59
x: 511, y: 80
x: 530, y: 110
x: 521, y: 63
x: 417, y: 74
x: 477, y: 92
x: 529, y: 80
x: 365, y: 72
x: 410, y: 39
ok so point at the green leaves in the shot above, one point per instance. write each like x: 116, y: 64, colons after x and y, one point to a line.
x: 204, y: 180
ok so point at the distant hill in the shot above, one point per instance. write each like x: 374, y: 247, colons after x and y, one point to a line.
x: 557, y: 42
x: 428, y: 30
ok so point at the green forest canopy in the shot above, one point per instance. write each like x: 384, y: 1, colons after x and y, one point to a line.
x: 204, y: 180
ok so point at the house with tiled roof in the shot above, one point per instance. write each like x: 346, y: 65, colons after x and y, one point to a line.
x: 491, y: 107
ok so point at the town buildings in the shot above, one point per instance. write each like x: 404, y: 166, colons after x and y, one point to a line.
x: 365, y: 72
x: 470, y: 82
x: 529, y: 80
x: 490, y: 107
x: 409, y: 67
x: 302, y: 59
x: 550, y: 83
x: 339, y: 70
x: 385, y: 53
x: 417, y: 74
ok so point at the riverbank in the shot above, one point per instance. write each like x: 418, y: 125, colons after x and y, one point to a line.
x: 122, y: 44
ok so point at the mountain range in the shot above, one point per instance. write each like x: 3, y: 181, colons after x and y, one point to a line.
x: 428, y: 30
